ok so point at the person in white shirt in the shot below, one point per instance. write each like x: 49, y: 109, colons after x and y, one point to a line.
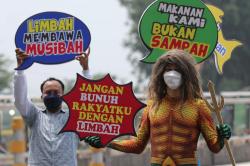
x: 46, y: 146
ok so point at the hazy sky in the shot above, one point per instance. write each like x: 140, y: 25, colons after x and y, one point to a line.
x: 106, y: 21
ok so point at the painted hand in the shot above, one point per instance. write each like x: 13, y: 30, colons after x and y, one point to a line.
x: 224, y: 131
x: 94, y: 141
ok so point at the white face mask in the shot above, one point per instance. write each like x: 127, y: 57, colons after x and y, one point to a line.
x: 172, y: 79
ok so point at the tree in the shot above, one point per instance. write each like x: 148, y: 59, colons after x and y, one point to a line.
x: 5, y: 75
x: 133, y: 42
x: 235, y: 26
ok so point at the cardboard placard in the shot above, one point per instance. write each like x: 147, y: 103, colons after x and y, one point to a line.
x: 101, y: 108
x: 187, y: 25
x: 224, y: 47
x: 51, y: 38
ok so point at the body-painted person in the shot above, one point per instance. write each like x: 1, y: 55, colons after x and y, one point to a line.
x: 175, y: 116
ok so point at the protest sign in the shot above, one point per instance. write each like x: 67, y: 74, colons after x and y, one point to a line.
x: 51, y: 38
x: 187, y: 25
x: 101, y: 108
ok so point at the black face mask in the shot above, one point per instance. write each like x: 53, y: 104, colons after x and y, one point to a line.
x: 52, y: 102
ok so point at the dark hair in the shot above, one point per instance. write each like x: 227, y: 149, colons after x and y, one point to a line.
x: 52, y: 79
x: 190, y: 89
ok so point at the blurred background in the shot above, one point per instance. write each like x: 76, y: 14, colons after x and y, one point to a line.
x: 117, y: 49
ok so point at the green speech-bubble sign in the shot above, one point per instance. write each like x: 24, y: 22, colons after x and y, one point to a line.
x: 178, y: 24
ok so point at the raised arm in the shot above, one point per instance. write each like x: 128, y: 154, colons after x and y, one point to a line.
x: 84, y: 62
x: 22, y: 103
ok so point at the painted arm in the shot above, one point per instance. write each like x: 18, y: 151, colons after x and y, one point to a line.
x: 208, y: 128
x: 136, y: 144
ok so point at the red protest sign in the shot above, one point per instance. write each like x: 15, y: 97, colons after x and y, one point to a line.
x: 101, y: 108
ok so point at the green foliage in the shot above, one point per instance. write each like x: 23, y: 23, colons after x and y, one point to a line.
x: 5, y: 75
x: 235, y: 26
x: 133, y: 42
